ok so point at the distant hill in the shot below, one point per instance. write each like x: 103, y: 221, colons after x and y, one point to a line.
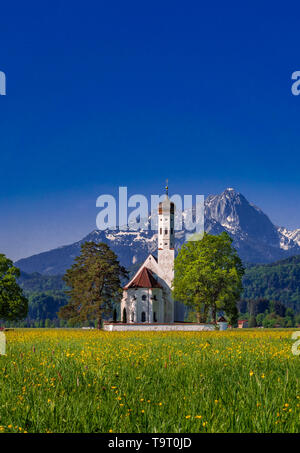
x: 38, y: 283
x: 277, y: 281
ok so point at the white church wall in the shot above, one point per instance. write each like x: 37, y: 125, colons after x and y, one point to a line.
x: 158, y: 327
x: 163, y: 268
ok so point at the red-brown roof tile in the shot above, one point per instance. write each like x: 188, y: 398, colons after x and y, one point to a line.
x: 144, y: 279
x: 222, y: 319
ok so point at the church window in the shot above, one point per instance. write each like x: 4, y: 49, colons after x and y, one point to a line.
x: 154, y: 317
x: 160, y: 231
x: 171, y: 230
x: 132, y: 316
x: 143, y: 316
x: 144, y: 297
x: 166, y: 231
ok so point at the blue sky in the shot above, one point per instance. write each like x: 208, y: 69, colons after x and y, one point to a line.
x: 109, y: 94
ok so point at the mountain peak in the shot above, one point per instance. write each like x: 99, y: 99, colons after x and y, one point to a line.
x: 254, y: 236
x: 230, y: 189
x: 230, y: 192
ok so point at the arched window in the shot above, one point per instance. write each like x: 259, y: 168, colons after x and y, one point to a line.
x: 124, y: 315
x: 154, y: 316
x: 132, y: 316
x: 143, y: 316
x: 115, y: 315
x: 144, y: 297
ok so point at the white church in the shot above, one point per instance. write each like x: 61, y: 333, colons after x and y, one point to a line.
x: 147, y: 302
x: 147, y: 297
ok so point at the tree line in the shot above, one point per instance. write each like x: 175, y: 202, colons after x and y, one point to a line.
x: 208, y: 280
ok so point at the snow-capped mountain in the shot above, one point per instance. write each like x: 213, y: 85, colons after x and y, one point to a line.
x: 289, y: 237
x: 255, y: 237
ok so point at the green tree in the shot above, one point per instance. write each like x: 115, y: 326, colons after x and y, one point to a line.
x: 94, y: 283
x: 208, y: 277
x: 252, y: 321
x: 13, y: 303
x: 260, y: 318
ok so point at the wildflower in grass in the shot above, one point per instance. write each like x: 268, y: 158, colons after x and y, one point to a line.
x: 134, y: 356
x: 187, y: 416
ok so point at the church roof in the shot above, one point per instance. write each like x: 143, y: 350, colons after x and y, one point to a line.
x: 166, y: 205
x: 222, y: 319
x: 144, y: 279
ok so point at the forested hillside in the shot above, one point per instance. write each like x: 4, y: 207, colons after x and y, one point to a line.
x: 278, y: 281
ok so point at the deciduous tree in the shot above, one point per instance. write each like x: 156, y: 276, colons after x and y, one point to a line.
x: 13, y: 303
x: 208, y: 276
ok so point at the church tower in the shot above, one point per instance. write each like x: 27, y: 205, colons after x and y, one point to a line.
x: 166, y: 238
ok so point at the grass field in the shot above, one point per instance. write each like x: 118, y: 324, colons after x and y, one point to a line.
x: 64, y: 380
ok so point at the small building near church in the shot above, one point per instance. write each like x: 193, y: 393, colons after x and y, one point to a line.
x: 242, y: 323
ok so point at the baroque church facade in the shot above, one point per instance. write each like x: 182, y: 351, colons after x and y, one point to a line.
x: 147, y: 297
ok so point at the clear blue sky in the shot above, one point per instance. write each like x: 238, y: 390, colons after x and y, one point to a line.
x: 103, y: 94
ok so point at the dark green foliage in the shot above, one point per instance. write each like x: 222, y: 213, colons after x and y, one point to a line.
x: 38, y: 283
x: 13, y: 303
x: 45, y: 296
x: 265, y: 313
x: 43, y: 306
x: 208, y: 275
x: 94, y: 284
x: 279, y: 281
